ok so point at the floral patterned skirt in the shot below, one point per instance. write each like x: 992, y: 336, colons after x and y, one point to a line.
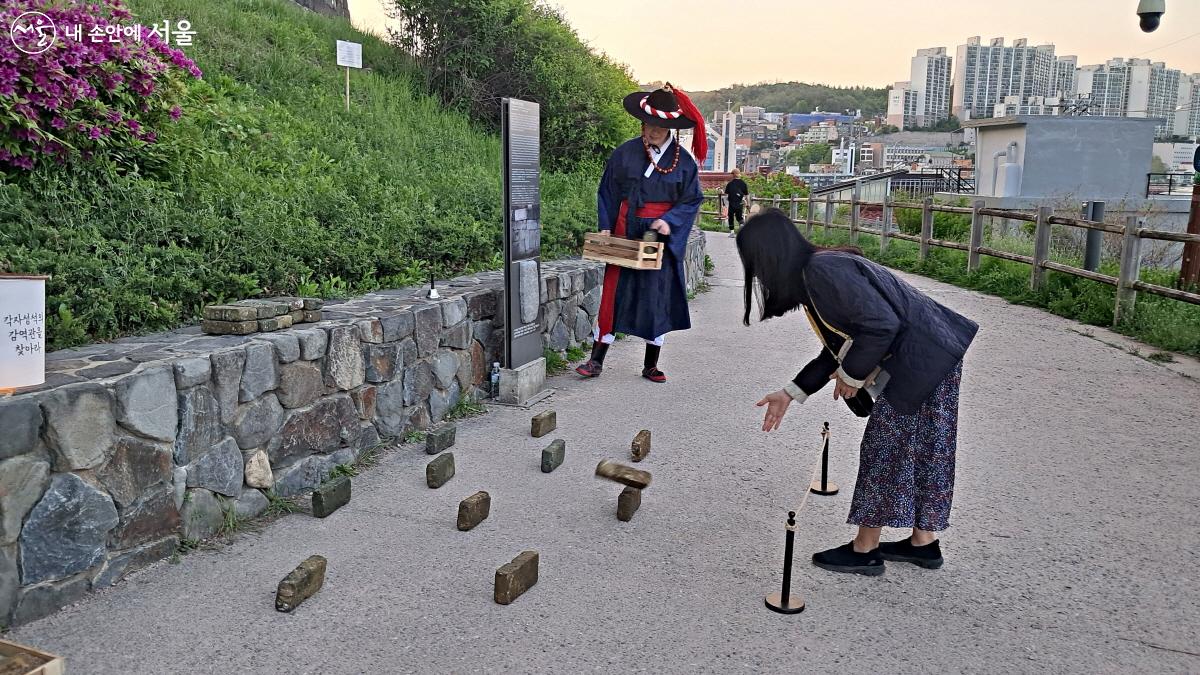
x: 906, y: 463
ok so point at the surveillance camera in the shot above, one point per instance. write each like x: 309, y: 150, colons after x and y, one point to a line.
x: 1151, y: 12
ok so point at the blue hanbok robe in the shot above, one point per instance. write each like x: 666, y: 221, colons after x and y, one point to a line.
x: 648, y: 303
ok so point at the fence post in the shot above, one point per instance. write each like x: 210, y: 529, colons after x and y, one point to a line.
x: 812, y: 211
x: 1095, y: 238
x: 976, y: 237
x: 1131, y: 264
x: 854, y: 214
x: 795, y: 210
x: 775, y: 202
x: 886, y: 228
x: 1041, y: 248
x: 828, y: 212
x: 926, y: 227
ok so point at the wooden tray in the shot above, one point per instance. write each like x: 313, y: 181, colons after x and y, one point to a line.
x: 39, y: 663
x: 637, y: 255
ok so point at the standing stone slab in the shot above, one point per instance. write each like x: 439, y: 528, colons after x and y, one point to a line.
x: 66, y: 531
x: 516, y: 577
x: 220, y: 470
x: 199, y: 424
x: 80, y: 423
x: 23, y: 480
x: 192, y: 372
x: 227, y: 369
x: 331, y: 496
x: 474, y: 510
x: 440, y: 439
x: 391, y: 413
x: 344, y: 366
x: 553, y: 455
x: 641, y: 445
x: 301, y: 584
x: 257, y: 422
x: 441, y: 402
x: 260, y: 374
x: 440, y: 470
x: 543, y: 423
x: 300, y: 383
x: 628, y: 503
x: 21, y: 421
x: 135, y: 467
x: 146, y: 404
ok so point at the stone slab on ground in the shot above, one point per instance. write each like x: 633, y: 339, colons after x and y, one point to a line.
x: 301, y: 584
x: 439, y: 439
x: 439, y: 471
x: 331, y: 496
x: 641, y: 446
x: 553, y: 455
x: 516, y: 577
x: 628, y: 502
x: 543, y: 423
x: 474, y: 510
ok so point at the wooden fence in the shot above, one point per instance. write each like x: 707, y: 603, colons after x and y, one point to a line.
x: 1127, y: 281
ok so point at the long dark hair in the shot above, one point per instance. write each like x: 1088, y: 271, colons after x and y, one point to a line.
x: 773, y: 254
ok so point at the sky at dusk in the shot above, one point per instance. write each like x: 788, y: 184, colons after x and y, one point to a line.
x: 705, y: 45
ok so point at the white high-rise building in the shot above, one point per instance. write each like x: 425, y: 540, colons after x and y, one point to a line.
x: 1064, y: 82
x: 1134, y: 88
x: 986, y: 74
x: 902, y: 106
x: 725, y: 157
x: 923, y: 100
x: 1187, y: 119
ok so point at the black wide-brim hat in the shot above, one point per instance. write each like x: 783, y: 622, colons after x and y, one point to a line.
x: 658, y: 108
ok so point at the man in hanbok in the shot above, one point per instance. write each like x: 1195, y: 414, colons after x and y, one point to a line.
x: 649, y: 184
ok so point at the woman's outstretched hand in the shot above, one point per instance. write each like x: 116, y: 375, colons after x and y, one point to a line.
x: 777, y: 404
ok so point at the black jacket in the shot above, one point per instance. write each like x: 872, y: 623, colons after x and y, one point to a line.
x: 869, y: 318
x: 737, y: 190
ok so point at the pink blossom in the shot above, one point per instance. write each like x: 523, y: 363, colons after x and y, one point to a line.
x: 176, y: 112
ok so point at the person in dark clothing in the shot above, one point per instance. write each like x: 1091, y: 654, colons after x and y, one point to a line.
x: 736, y: 191
x: 649, y: 183
x: 880, y: 333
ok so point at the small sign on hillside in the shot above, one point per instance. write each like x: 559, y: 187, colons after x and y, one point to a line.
x: 349, y: 54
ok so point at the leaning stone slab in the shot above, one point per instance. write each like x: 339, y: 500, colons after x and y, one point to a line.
x: 331, y: 496
x: 628, y: 503
x: 440, y: 439
x: 641, y: 445
x: 543, y: 423
x: 440, y: 470
x: 301, y: 584
x: 229, y: 327
x: 516, y: 577
x: 474, y: 510
x: 553, y: 455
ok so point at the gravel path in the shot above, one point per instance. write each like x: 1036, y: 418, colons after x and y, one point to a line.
x: 1071, y: 548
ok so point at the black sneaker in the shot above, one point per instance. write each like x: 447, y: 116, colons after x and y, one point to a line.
x: 845, y: 559
x: 928, y: 556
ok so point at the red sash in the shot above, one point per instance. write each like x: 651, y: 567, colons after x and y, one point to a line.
x: 608, y: 299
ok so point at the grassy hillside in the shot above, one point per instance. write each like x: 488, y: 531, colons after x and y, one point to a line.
x: 795, y: 97
x: 267, y: 186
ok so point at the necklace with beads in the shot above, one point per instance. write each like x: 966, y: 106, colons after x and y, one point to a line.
x: 675, y: 163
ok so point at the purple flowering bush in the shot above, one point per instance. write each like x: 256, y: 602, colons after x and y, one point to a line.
x: 79, y: 98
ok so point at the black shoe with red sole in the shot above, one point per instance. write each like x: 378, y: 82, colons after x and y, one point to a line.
x: 590, y: 369
x: 654, y: 375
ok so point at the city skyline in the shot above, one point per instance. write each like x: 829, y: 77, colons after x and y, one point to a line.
x: 711, y: 58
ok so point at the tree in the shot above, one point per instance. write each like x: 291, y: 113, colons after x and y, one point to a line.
x: 1158, y: 166
x: 813, y: 153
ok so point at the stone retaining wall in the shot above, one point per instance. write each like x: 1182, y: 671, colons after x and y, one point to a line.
x: 133, y: 446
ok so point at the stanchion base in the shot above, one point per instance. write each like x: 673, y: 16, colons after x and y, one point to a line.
x: 795, y: 604
x: 829, y: 489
